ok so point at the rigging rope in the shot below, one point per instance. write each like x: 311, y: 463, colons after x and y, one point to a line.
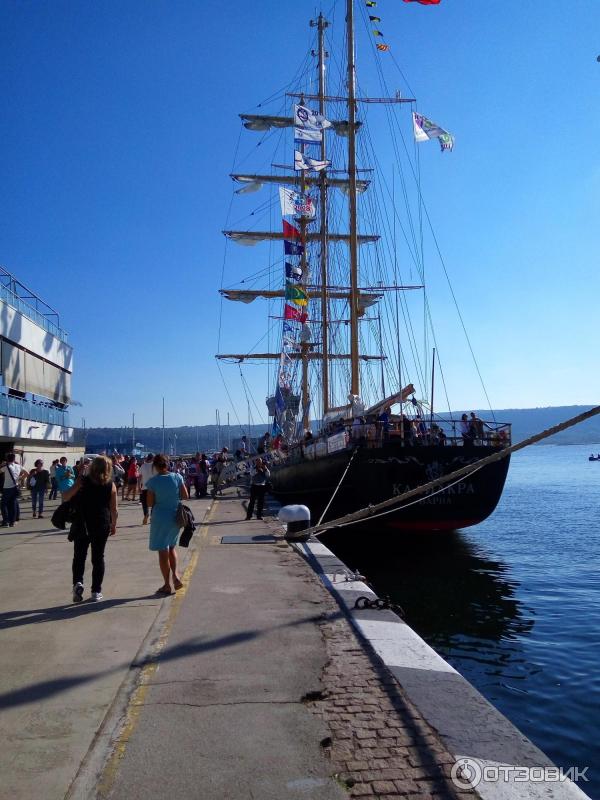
x: 338, y: 486
x: 391, y: 504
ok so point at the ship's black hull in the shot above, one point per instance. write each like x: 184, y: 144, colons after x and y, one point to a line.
x: 377, y: 474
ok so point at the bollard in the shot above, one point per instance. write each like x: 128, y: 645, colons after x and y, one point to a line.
x: 297, y: 520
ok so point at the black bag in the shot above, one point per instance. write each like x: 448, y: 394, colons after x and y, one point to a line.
x: 186, y: 535
x: 185, y: 519
x: 183, y: 515
x: 65, y: 514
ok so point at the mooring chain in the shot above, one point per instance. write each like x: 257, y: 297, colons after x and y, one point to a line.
x: 363, y: 603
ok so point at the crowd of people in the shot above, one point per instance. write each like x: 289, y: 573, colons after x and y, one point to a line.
x: 373, y: 430
x: 159, y: 482
x: 93, y: 485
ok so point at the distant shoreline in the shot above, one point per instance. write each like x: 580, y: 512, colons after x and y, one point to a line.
x: 188, y: 438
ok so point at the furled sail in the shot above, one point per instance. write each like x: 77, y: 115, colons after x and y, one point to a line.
x: 311, y: 356
x: 296, y: 180
x: 264, y: 122
x: 250, y: 238
x: 365, y: 299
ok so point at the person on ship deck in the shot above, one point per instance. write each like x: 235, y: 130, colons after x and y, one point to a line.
x: 466, y: 430
x: 476, y: 427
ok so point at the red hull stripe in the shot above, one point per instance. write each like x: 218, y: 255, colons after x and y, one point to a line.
x: 432, y: 525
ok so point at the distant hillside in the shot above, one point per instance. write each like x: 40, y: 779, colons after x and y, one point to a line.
x: 188, y: 439
x: 185, y: 439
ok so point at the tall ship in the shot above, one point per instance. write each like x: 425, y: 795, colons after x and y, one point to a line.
x: 349, y: 348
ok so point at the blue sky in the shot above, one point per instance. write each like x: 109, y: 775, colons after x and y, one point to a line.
x: 119, y: 129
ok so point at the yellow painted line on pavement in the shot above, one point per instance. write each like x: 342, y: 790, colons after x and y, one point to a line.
x: 138, y: 697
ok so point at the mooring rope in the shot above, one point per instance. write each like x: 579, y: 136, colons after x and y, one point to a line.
x: 374, y: 511
x: 338, y: 486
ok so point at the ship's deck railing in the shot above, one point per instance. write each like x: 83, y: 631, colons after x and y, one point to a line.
x: 442, y: 433
x: 36, y: 412
x: 22, y: 299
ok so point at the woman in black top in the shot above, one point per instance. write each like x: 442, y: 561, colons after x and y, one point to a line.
x: 37, y: 481
x: 97, y: 512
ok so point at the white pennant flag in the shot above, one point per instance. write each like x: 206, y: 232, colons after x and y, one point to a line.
x: 302, y: 162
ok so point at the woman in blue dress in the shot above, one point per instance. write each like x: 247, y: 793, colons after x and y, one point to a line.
x: 165, y: 490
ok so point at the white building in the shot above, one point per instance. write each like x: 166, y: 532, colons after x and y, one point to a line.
x: 36, y: 363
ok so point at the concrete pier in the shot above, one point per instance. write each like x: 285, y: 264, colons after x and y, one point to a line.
x: 254, y: 681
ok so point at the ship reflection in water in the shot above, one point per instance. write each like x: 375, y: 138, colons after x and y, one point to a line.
x: 459, y: 600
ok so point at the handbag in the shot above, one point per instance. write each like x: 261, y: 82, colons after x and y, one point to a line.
x: 181, y: 515
x: 18, y: 488
x: 186, y: 536
x: 65, y: 514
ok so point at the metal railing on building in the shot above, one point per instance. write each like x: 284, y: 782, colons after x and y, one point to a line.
x: 36, y: 412
x: 22, y: 299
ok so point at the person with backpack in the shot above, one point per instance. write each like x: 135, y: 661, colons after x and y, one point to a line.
x: 97, y: 520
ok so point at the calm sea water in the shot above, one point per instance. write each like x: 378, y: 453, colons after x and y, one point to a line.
x: 514, y: 603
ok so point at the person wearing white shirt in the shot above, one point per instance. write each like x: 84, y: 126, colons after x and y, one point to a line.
x: 146, y: 472
x: 11, y: 472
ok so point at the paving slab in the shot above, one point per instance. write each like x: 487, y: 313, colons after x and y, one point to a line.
x: 62, y: 665
x: 224, y: 713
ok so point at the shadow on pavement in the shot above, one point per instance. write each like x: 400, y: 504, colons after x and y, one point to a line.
x: 66, y: 611
x: 30, y: 532
x: 195, y: 646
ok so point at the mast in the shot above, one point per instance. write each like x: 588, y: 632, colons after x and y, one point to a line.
x: 304, y: 347
x: 321, y: 25
x: 353, y: 252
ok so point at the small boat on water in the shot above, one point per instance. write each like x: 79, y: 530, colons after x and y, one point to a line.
x: 594, y: 458
x: 350, y: 428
